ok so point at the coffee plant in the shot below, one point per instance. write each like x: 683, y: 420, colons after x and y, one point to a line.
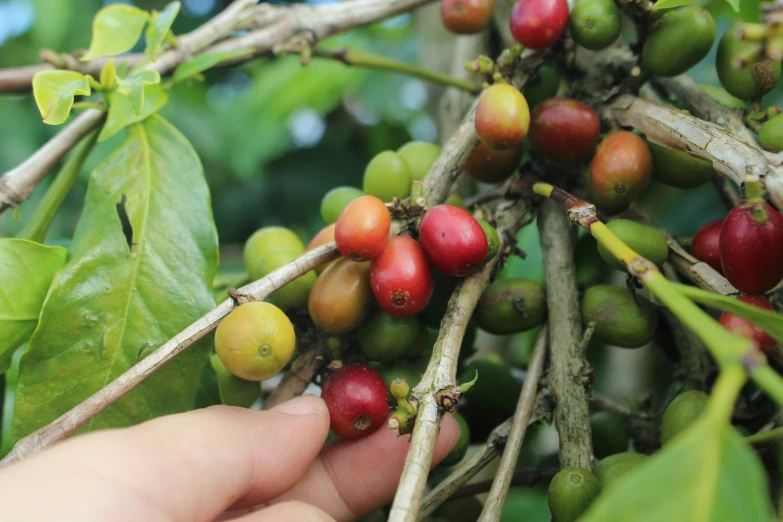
x: 571, y: 123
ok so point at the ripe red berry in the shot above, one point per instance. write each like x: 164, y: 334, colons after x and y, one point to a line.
x: 453, y: 239
x: 362, y: 229
x: 537, y: 24
x: 466, y: 16
x: 356, y: 398
x: 740, y: 326
x: 620, y: 170
x: 751, y: 253
x: 502, y: 117
x: 564, y: 130
x: 705, y: 244
x: 492, y: 166
x: 401, y: 277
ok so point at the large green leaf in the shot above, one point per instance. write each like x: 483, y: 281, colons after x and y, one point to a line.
x: 54, y: 92
x: 26, y: 272
x: 121, y: 111
x: 708, y: 473
x: 202, y: 62
x: 144, y: 256
x: 769, y: 321
x: 115, y: 29
x: 159, y: 27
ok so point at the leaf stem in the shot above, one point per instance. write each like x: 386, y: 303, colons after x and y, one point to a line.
x: 765, y: 437
x: 725, y: 392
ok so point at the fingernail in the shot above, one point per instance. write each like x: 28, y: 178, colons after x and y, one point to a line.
x: 304, y: 405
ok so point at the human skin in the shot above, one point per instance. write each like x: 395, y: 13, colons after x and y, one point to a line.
x: 217, y: 463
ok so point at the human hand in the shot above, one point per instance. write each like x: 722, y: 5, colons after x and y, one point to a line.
x: 218, y: 463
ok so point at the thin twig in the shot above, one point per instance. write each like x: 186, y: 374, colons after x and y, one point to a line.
x: 699, y: 273
x: 508, y: 462
x: 302, y: 371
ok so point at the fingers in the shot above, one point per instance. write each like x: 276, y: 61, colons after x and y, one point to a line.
x: 352, y: 477
x: 190, y: 466
x: 287, y: 511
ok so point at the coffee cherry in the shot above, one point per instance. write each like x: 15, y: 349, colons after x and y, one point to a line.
x: 682, y: 38
x: 611, y: 469
x: 679, y: 169
x: 336, y: 200
x: 362, y: 229
x: 401, y: 277
x: 294, y: 294
x: 453, y: 239
x: 771, y: 134
x: 510, y: 306
x: 751, y: 253
x: 493, y: 166
x: 493, y: 240
x: 543, y: 84
x: 681, y: 413
x: 564, y: 130
x: 459, y: 450
x: 496, y: 390
x: 341, y: 297
x: 596, y: 24
x: 388, y: 176
x: 255, y: 341
x: 411, y: 371
x: 705, y: 245
x: 419, y: 155
x: 609, y: 432
x: 324, y: 236
x: 356, y: 398
x: 263, y: 241
x: 537, y: 24
x: 233, y: 391
x: 754, y: 80
x: 763, y: 341
x: 571, y: 492
x: 645, y: 240
x: 386, y: 338
x: 466, y: 16
x: 502, y: 117
x: 619, y: 320
x: 620, y: 170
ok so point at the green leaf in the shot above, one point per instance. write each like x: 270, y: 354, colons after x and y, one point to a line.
x: 707, y: 473
x: 26, y: 272
x: 133, y: 87
x: 769, y: 321
x: 144, y: 255
x: 115, y: 30
x: 202, y: 62
x: 121, y: 112
x: 159, y: 26
x: 108, y: 75
x: 668, y: 4
x: 54, y: 92
x: 734, y: 4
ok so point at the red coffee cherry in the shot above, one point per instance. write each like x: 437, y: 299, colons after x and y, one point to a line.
x: 466, y: 16
x: 751, y: 253
x: 493, y: 166
x: 362, y: 229
x: 564, y: 130
x: 401, y: 277
x: 620, y: 170
x: 356, y: 398
x: 453, y: 239
x: 502, y: 117
x: 705, y: 244
x: 740, y: 326
x: 537, y: 24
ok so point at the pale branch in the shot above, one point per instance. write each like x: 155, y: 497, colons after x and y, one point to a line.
x: 471, y: 466
x: 604, y: 403
x: 569, y: 372
x: 65, y: 425
x: 283, y: 24
x: 508, y: 462
x: 698, y: 272
x: 303, y: 369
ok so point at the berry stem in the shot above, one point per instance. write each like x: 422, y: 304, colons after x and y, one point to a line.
x: 754, y: 194
x: 765, y: 437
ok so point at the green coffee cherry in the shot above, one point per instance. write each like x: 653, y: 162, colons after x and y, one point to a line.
x: 771, y: 134
x: 679, y: 169
x: 682, y: 38
x: 294, y: 294
x: 645, y: 240
x: 620, y: 321
x: 388, y: 176
x: 336, y: 200
x: 411, y: 371
x: 752, y: 81
x: 265, y: 240
x: 419, y: 155
x: 681, y: 413
x: 722, y: 96
x: 511, y: 306
x: 233, y: 390
x: 496, y: 390
x: 459, y: 450
x: 543, y: 84
x: 610, y: 434
x: 595, y: 24
x: 571, y: 492
x: 493, y: 241
x: 611, y: 469
x: 456, y: 200
x: 386, y: 338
